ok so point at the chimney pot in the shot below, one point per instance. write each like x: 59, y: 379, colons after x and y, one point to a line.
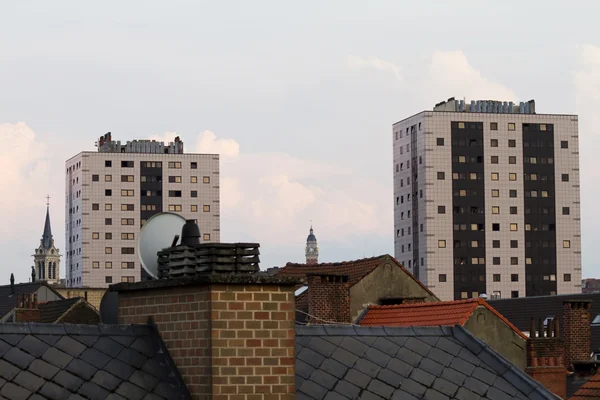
x: 190, y: 233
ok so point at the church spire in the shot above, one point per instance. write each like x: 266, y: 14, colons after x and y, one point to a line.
x: 47, y: 240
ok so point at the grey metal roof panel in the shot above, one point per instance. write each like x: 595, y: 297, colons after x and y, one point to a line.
x: 416, y: 363
x: 87, y: 362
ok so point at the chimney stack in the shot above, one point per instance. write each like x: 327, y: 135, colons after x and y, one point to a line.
x: 577, y: 331
x: 328, y: 298
x: 551, y: 373
x: 27, y: 309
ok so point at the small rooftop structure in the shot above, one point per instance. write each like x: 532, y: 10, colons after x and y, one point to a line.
x: 486, y: 106
x: 105, y: 144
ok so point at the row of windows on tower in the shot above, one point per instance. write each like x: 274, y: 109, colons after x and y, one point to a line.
x: 149, y: 164
x: 497, y: 261
x: 496, y: 244
x: 149, y: 207
x: 413, y: 129
x: 477, y: 142
x: 512, y: 210
x: 150, y: 178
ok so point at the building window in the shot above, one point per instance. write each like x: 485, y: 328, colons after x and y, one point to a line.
x: 496, y: 277
x: 567, y: 277
x: 566, y: 244
x: 564, y: 144
x: 174, y: 165
x: 514, y: 294
x: 108, y: 192
x: 494, y: 160
x: 511, y: 126
x: 108, y: 207
x: 107, y: 178
x: 108, y: 265
x: 148, y: 207
x: 107, y: 235
x: 440, y: 141
x: 564, y: 177
x: 206, y: 237
x: 95, y: 178
x: 512, y: 143
x: 127, y: 207
x: 514, y: 227
x: 127, y: 193
x: 108, y: 279
x: 127, y: 178
x: 194, y: 208
x: 542, y: 127
x: 174, y: 207
x: 496, y: 260
x: 95, y: 264
x: 126, y: 164
x: 442, y: 244
x: 512, y: 177
x: 495, y: 176
x: 127, y: 221
x: 496, y: 244
x: 206, y: 179
x: 512, y: 193
x: 193, y: 179
x: 441, y: 175
x: 493, y: 126
x: 495, y: 193
x: 442, y: 278
x: 194, y: 193
x: 474, y: 243
x: 494, y: 142
x: 174, y: 193
x: 461, y: 125
x: 514, y: 261
x: 206, y: 208
x: 108, y: 163
x: 174, y: 179
x: 544, y: 193
x: 514, y: 244
x: 107, y: 221
x: 512, y: 159
x: 127, y: 265
x: 495, y: 210
x: 528, y: 261
x: 95, y: 206
x: 496, y: 227
x: 127, y: 250
x: 513, y: 210
x: 95, y: 235
x: 566, y: 211
x: 464, y: 295
x: 194, y: 165
x: 127, y: 236
x: 108, y: 250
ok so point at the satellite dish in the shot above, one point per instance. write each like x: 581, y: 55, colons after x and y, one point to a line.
x: 157, y: 234
x: 109, y: 308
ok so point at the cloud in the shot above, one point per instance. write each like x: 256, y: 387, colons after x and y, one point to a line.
x: 450, y: 74
x: 208, y: 143
x: 355, y: 62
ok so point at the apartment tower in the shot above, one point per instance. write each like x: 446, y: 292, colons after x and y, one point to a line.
x: 111, y: 193
x: 486, y: 200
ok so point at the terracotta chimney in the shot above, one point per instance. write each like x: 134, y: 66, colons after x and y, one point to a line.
x: 328, y: 298
x: 544, y: 342
x: 550, y: 372
x: 577, y: 331
x: 27, y: 308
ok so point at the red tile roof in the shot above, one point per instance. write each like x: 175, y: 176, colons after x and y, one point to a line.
x: 355, y: 270
x: 445, y: 313
x: 590, y: 390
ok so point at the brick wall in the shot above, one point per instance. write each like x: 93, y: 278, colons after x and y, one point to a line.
x: 550, y: 372
x: 328, y: 298
x: 182, y: 316
x: 27, y: 315
x: 229, y: 341
x: 544, y: 342
x: 577, y: 330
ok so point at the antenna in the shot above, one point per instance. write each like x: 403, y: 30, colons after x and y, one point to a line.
x: 157, y: 233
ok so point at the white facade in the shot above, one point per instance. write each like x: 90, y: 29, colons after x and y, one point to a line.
x: 107, y: 205
x: 433, y: 213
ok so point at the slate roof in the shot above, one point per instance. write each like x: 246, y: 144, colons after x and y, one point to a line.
x: 519, y: 311
x: 446, y: 313
x: 51, y: 311
x: 8, y: 301
x: 352, y: 362
x: 95, y: 362
x: 355, y: 270
x: 590, y: 390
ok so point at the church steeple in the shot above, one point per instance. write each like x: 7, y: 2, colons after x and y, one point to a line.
x: 312, y: 249
x: 46, y: 258
x: 47, y: 240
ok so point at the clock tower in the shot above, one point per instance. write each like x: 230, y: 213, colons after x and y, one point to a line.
x: 312, y: 250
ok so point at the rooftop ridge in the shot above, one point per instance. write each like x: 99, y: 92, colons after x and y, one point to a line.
x: 334, y: 264
x: 416, y: 305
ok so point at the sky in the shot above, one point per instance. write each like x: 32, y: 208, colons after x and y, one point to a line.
x: 299, y: 99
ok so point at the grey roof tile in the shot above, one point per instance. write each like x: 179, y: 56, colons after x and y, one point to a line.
x: 132, y: 357
x: 106, y: 380
x: 53, y: 391
x: 108, y: 346
x: 31, y: 345
x: 82, y: 369
x: 29, y: 381
x: 416, y: 363
x: 56, y: 357
x: 18, y: 358
x: 94, y: 357
x: 14, y: 392
x: 334, y: 396
x: 8, y: 371
x: 93, y: 391
x: 68, y: 381
x: 4, y: 347
x: 131, y: 391
x: 43, y: 369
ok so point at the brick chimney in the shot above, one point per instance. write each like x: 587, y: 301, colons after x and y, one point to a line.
x: 328, y: 298
x: 577, y: 331
x: 27, y: 309
x: 550, y: 372
x: 228, y: 334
